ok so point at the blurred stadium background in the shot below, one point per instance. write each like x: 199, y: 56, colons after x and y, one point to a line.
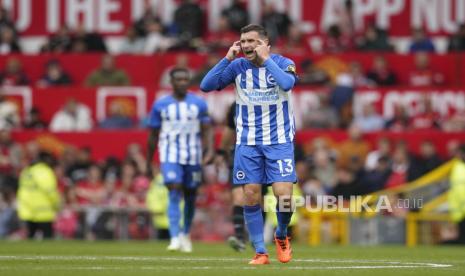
x: 380, y: 110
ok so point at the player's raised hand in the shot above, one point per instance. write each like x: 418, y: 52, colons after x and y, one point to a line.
x: 262, y: 50
x: 234, y: 50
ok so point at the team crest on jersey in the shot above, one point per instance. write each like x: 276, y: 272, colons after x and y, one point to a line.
x: 291, y: 68
x: 270, y: 80
x: 171, y: 175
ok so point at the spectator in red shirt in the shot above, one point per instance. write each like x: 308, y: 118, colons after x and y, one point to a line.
x: 423, y: 75
x: 91, y: 191
x: 13, y: 73
x: 427, y: 119
x: 336, y: 41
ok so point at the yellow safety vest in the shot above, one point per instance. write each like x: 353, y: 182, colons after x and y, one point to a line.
x: 457, y: 191
x: 38, y: 196
x: 157, y: 202
x: 270, y: 204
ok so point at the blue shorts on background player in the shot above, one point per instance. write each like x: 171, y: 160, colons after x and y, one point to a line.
x: 264, y: 130
x: 180, y: 125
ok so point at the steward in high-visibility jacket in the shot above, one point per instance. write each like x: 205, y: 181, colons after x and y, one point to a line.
x: 38, y: 197
x: 157, y: 202
x: 457, y: 193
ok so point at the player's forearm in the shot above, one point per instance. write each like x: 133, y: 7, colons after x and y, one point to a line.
x: 285, y: 80
x: 213, y: 79
x: 207, y: 137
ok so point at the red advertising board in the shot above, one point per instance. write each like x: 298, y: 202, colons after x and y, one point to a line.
x: 111, y: 17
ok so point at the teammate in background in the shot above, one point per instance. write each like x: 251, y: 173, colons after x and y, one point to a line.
x: 180, y: 125
x: 265, y: 131
x: 224, y: 158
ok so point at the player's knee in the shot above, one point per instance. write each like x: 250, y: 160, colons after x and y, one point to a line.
x: 251, y: 196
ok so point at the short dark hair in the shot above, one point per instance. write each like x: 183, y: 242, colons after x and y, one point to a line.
x: 255, y: 28
x: 178, y: 69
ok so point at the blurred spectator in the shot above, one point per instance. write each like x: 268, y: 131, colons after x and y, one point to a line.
x: 455, y: 122
x: 141, y: 24
x: 346, y: 183
x: 420, y: 42
x: 34, y: 120
x: 423, y: 75
x: 381, y: 74
x: 276, y: 23
x: 457, y: 41
x: 78, y: 170
x: 374, y: 39
x: 427, y: 118
x: 117, y: 118
x: 182, y: 61
x: 237, y: 15
x: 107, y: 74
x: 54, y: 75
x: 13, y: 73
x: 369, y: 120
x: 74, y: 116
x: 400, y: 120
x: 400, y: 168
x: 312, y: 75
x: 322, y: 117
x: 59, y: 42
x: 293, y: 43
x: 383, y: 149
x: 212, y: 60
x: 135, y: 155
x: 10, y: 158
x: 132, y: 43
x: 353, y: 151
x: 38, y: 206
x: 188, y: 19
x: 157, y: 203
x: 324, y: 169
x: 9, y: 115
x: 337, y: 42
x: 358, y: 75
x: 8, y: 41
x: 222, y: 38
x: 341, y: 99
x: 426, y: 161
x: 82, y: 41
x: 5, y: 19
x: 375, y: 179
x: 155, y: 40
x: 90, y: 190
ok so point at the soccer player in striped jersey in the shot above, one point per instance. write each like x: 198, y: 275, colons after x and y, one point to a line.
x: 265, y: 130
x: 180, y: 125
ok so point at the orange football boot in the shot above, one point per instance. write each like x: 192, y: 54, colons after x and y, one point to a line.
x: 283, y: 249
x: 260, y: 259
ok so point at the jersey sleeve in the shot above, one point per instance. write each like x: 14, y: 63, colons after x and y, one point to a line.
x: 203, y: 112
x: 288, y: 66
x: 155, y: 116
x: 220, y: 76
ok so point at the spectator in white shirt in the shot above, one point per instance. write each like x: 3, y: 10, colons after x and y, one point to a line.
x: 74, y: 116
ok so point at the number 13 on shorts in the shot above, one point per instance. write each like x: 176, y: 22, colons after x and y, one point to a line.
x: 285, y: 166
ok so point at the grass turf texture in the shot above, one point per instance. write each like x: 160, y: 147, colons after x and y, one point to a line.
x: 150, y: 258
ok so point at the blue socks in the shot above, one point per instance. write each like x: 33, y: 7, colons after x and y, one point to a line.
x: 254, y: 221
x: 189, y: 209
x: 174, y: 214
x: 284, y: 218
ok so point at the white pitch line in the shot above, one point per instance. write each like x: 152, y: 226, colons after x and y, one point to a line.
x: 382, y: 263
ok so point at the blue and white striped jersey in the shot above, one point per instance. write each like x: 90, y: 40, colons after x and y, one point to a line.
x: 264, y: 113
x: 180, y: 122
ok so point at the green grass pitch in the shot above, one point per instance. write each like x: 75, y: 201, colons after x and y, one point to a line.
x: 150, y: 258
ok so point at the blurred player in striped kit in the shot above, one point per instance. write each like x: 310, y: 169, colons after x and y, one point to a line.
x: 180, y: 125
x: 265, y: 131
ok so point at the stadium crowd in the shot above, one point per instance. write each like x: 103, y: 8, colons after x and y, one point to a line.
x: 352, y: 167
